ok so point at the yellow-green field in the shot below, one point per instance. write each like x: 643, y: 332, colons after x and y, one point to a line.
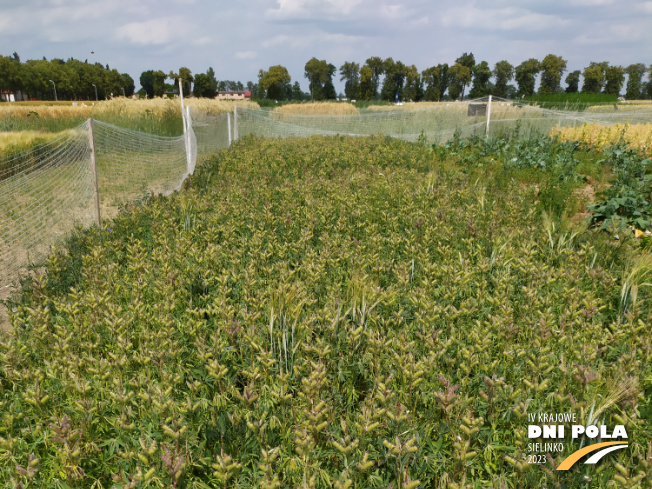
x: 598, y: 136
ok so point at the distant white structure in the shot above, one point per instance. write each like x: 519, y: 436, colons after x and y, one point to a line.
x: 9, y: 96
x: 234, y: 95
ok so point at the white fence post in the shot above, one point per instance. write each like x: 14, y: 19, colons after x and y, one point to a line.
x: 488, y: 115
x: 228, y: 125
x: 235, y: 123
x: 190, y: 166
x: 96, y: 188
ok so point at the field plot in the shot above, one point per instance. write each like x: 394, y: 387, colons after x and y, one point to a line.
x: 332, y: 312
x: 435, y: 122
x: 638, y: 136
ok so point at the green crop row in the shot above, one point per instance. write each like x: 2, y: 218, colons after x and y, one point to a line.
x: 328, y: 312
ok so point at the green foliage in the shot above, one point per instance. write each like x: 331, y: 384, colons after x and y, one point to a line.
x: 317, y: 73
x: 395, y: 75
x: 332, y: 312
x: 628, y: 202
x: 275, y: 82
x: 635, y: 74
x: 570, y: 100
x: 431, y: 77
x: 459, y: 78
x: 525, y: 74
x: 552, y: 69
x: 74, y: 79
x: 614, y: 78
x: 350, y: 72
x: 594, y: 77
x: 481, y: 75
x: 504, y: 73
x: 573, y: 81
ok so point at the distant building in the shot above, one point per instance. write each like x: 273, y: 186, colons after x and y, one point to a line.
x: 234, y: 95
x: 9, y: 96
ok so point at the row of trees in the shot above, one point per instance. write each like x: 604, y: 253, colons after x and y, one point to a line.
x: 388, y: 79
x: 73, y: 79
x: 432, y: 83
x: 377, y: 78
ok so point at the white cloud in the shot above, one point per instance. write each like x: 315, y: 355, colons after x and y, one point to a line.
x: 245, y: 55
x: 156, y: 31
x: 505, y: 19
x: 313, y: 9
x: 591, y: 3
x: 645, y: 7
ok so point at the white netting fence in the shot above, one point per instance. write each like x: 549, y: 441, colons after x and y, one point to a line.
x: 435, y: 123
x: 47, y: 191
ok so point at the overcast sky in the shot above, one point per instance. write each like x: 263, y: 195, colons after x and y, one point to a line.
x: 239, y: 38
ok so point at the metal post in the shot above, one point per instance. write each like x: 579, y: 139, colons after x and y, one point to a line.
x: 488, y: 115
x: 235, y: 123
x: 91, y: 143
x: 228, y: 125
x: 55, y: 91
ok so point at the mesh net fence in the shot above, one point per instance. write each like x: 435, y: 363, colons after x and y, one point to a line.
x: 47, y: 191
x: 435, y: 123
x: 44, y: 193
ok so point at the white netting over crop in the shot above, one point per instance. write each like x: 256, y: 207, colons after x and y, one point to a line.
x: 47, y: 191
x: 131, y: 164
x: 44, y: 193
x: 436, y: 123
x: 211, y: 131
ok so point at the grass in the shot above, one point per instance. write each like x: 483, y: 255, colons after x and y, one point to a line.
x: 328, y: 312
x: 571, y: 101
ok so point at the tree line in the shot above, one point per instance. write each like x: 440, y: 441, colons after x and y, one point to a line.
x: 72, y: 79
x: 376, y: 79
x: 387, y: 79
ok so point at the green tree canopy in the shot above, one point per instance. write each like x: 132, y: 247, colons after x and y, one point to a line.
x: 504, y: 73
x: 274, y: 82
x: 468, y: 60
x: 635, y: 74
x: 377, y: 66
x: 594, y: 77
x: 350, y: 75
x: 525, y: 76
x: 431, y: 78
x: 329, y: 88
x: 395, y: 73
x: 460, y: 76
x: 413, y: 84
x: 481, y: 75
x: 573, y: 81
x: 367, y: 91
x: 186, y: 79
x: 316, y: 71
x: 614, y: 77
x: 552, y: 68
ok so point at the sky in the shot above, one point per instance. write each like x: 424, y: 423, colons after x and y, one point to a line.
x: 237, y: 39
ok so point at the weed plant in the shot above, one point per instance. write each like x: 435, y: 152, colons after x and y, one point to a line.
x: 329, y: 312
